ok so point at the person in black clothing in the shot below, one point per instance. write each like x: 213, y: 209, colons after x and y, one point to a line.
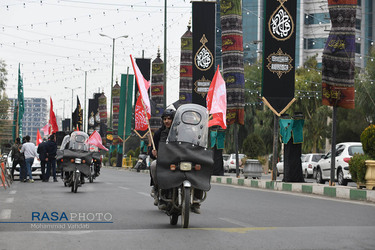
x: 51, y: 157
x: 160, y: 135
x: 42, y: 151
x: 18, y: 158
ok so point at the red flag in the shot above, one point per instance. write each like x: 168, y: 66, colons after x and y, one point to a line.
x: 217, y: 101
x: 45, y: 129
x: 38, y: 137
x: 52, y: 120
x: 96, y: 140
x: 142, y: 86
x: 140, y: 118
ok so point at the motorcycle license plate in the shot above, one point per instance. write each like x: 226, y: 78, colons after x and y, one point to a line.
x: 185, y: 166
x: 78, y: 160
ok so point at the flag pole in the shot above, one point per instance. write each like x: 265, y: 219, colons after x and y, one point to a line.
x: 148, y: 124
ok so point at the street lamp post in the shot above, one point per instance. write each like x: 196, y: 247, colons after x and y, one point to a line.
x: 71, y: 116
x: 113, y: 65
x: 84, y: 109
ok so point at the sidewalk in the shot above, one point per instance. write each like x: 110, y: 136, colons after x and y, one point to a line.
x: 341, y: 192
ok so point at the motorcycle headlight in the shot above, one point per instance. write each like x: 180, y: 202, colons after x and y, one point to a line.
x: 78, y: 160
x: 185, y: 166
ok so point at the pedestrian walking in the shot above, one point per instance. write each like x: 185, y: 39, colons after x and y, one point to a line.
x: 42, y: 151
x: 29, y: 149
x: 51, y: 157
x: 18, y: 159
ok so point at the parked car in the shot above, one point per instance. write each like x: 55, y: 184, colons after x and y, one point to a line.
x: 309, y: 163
x: 280, y: 166
x: 344, y: 151
x: 226, y: 162
x: 232, y: 162
x: 35, y: 169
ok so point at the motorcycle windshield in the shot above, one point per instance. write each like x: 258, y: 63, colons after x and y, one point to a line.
x: 190, y: 124
x: 78, y: 141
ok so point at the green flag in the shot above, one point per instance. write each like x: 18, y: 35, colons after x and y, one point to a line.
x: 126, y: 95
x: 21, y: 106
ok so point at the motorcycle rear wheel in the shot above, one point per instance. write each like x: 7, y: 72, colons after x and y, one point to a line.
x: 185, y: 207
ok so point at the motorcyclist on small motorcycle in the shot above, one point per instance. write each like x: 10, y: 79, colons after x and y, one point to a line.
x: 160, y: 135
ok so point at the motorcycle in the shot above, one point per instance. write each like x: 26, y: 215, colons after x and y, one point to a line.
x: 141, y: 163
x: 75, y: 160
x: 184, y: 164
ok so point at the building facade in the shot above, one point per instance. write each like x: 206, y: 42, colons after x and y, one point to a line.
x: 35, y: 116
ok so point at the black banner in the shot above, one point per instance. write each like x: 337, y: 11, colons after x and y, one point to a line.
x: 144, y: 65
x: 204, y: 33
x: 77, y: 121
x: 66, y: 125
x: 279, y: 44
x: 93, y: 116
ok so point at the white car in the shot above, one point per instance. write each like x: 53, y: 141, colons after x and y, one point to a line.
x: 344, y: 151
x: 232, y: 162
x: 309, y: 163
x: 280, y: 165
x: 35, y: 168
x: 226, y: 162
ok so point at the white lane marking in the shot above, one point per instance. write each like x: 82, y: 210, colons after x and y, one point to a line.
x: 236, y: 222
x: 5, y: 214
x: 145, y: 194
x: 125, y: 188
x: 13, y: 192
x: 9, y: 200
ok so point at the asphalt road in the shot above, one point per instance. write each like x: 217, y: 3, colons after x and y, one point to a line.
x: 117, y: 212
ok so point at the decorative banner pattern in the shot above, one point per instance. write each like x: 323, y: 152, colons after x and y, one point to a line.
x: 338, y: 62
x: 278, y: 54
x: 157, y: 92
x: 186, y: 67
x: 115, y: 112
x: 103, y: 117
x: 204, y: 16
x: 232, y: 56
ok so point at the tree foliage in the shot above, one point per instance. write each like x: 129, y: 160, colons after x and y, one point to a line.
x: 365, y: 88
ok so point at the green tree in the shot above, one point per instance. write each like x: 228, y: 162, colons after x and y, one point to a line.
x: 3, y: 75
x: 253, y: 146
x: 309, y: 102
x: 5, y: 123
x: 365, y: 88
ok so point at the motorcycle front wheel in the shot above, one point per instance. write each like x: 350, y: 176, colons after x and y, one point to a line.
x: 75, y: 181
x: 185, y: 207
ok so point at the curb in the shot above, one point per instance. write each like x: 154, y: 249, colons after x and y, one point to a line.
x: 342, y: 192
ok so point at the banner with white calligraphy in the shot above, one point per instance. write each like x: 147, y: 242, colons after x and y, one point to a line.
x: 204, y: 33
x: 279, y: 54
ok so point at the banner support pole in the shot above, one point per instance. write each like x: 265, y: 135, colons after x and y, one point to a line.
x: 126, y: 102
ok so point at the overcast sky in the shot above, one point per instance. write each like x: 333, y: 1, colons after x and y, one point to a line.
x: 50, y: 39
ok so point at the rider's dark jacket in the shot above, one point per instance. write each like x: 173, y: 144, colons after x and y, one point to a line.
x: 160, y: 135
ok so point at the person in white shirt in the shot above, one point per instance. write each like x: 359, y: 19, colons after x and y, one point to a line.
x: 30, y: 153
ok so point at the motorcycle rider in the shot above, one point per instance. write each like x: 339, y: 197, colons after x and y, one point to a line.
x: 160, y: 135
